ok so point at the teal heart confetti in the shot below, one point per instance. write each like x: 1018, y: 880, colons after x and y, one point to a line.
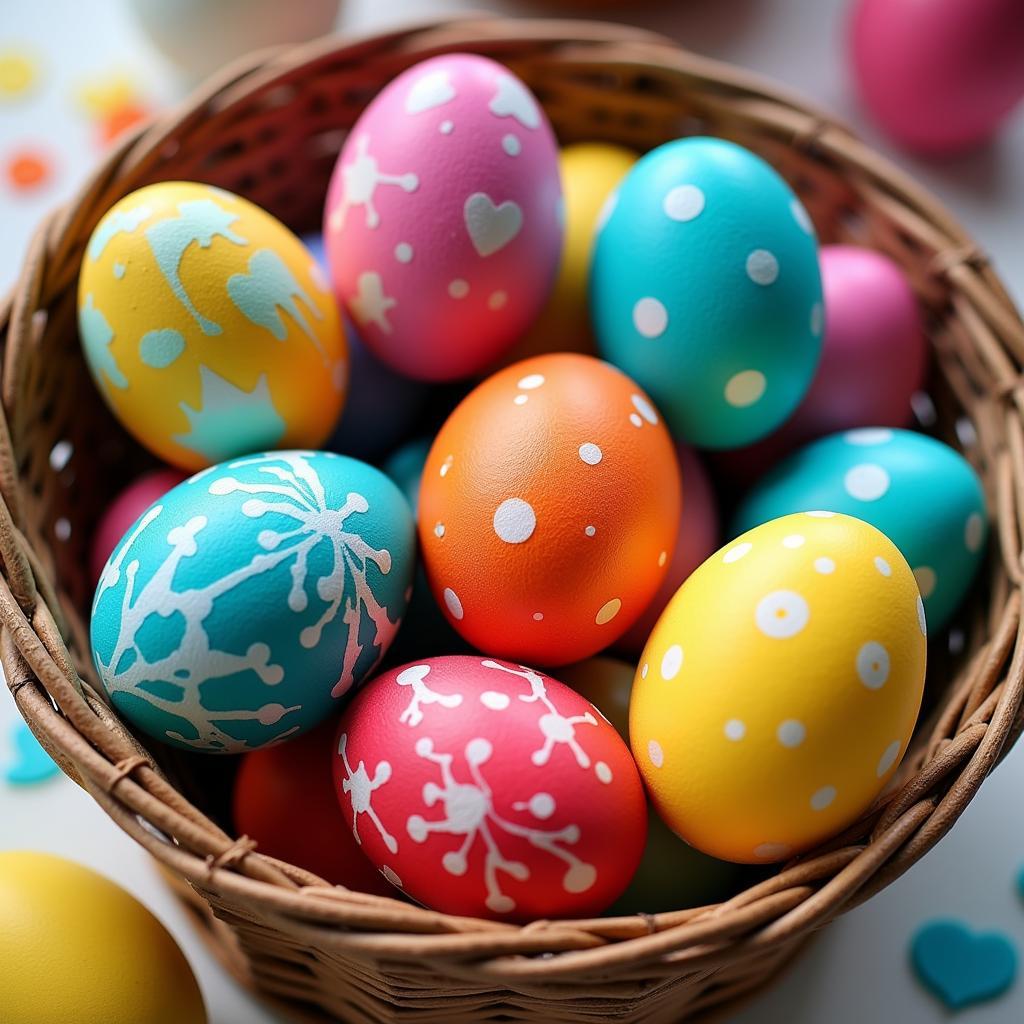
x: 30, y: 763
x: 962, y: 967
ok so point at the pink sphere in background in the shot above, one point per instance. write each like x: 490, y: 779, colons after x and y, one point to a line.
x: 125, y: 509
x: 938, y: 76
x: 697, y: 539
x: 874, y: 357
x: 443, y: 221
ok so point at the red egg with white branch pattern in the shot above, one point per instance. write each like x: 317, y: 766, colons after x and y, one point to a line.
x: 485, y: 788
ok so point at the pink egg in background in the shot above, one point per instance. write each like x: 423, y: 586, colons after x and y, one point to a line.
x: 939, y: 76
x: 874, y: 357
x: 698, y: 538
x: 443, y: 222
x: 125, y: 509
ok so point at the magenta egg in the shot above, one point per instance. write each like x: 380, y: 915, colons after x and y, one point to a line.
x: 874, y: 357
x: 697, y: 539
x: 938, y: 76
x: 443, y: 221
x: 125, y: 509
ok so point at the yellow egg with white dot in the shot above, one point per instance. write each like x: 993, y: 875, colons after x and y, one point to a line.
x: 779, y: 689
x: 208, y: 326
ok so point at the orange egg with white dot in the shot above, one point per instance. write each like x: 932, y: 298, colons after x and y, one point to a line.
x: 548, y: 509
x: 779, y: 689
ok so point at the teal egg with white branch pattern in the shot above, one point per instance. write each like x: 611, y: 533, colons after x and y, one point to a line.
x: 241, y: 607
x: 922, y: 494
x: 705, y: 288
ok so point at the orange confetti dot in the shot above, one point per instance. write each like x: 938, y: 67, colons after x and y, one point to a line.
x: 28, y: 170
x: 119, y: 120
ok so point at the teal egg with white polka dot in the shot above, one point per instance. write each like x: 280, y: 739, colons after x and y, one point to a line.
x: 922, y: 494
x: 243, y: 604
x: 705, y: 288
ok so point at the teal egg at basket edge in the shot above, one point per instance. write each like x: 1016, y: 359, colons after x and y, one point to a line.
x: 705, y: 288
x: 242, y: 605
x: 924, y: 495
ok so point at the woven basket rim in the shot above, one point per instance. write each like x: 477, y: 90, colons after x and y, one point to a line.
x: 980, y: 720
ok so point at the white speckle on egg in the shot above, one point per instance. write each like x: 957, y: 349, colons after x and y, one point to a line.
x: 495, y: 701
x: 735, y: 730
x: 883, y: 566
x: 826, y: 566
x: 531, y: 382
x: 608, y: 611
x: 590, y: 531
x: 662, y: 559
x: 635, y: 420
x: 921, y: 619
x: 926, y: 580
x: 791, y: 733
x: 403, y: 252
x: 391, y: 876
x: 514, y: 520
x: 497, y: 300
x: 542, y: 805
x: 645, y: 409
x: 683, y: 203
x: 817, y: 318
x: 873, y: 665
x: 974, y: 531
x: 794, y: 540
x: 868, y: 436
x: 644, y: 670
x: 447, y: 464
x: 671, y: 662
x: 538, y: 616
x: 445, y: 127
x: 823, y: 798
x: 452, y: 603
x: 762, y: 267
x: 735, y: 553
x: 590, y: 453
x: 521, y: 399
x: 820, y: 514
x: 655, y: 753
x: 888, y: 758
x: 458, y: 289
x: 771, y: 851
x: 745, y: 388
x: 866, y: 482
x: 801, y: 216
x: 602, y: 771
x: 511, y: 145
x: 650, y: 317
x: 781, y: 614
x: 439, y: 529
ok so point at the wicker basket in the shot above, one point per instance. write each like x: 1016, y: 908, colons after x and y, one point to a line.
x: 270, y: 129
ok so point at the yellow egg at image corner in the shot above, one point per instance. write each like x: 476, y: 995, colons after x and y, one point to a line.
x: 208, y: 326
x: 77, y: 949
x: 779, y: 690
x: 591, y: 171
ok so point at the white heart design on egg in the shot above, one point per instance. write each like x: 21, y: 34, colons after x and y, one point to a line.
x: 513, y: 99
x: 491, y: 227
x: 432, y: 90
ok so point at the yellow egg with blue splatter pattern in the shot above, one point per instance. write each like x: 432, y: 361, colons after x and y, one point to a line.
x: 209, y: 327
x: 779, y: 689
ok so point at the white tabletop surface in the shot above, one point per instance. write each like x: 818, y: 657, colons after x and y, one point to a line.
x: 856, y: 971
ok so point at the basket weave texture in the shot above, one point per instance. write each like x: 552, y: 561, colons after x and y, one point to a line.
x: 270, y: 128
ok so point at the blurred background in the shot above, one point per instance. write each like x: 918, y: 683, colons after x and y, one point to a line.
x: 73, y: 76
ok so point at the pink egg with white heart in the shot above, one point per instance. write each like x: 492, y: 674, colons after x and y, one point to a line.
x: 443, y: 221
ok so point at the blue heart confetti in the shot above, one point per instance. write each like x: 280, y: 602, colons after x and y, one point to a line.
x: 962, y: 967
x: 30, y: 763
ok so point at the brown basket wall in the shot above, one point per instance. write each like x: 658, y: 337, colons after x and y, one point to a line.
x: 270, y: 129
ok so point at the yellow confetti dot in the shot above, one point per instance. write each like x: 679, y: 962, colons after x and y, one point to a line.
x: 101, y: 96
x: 18, y: 73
